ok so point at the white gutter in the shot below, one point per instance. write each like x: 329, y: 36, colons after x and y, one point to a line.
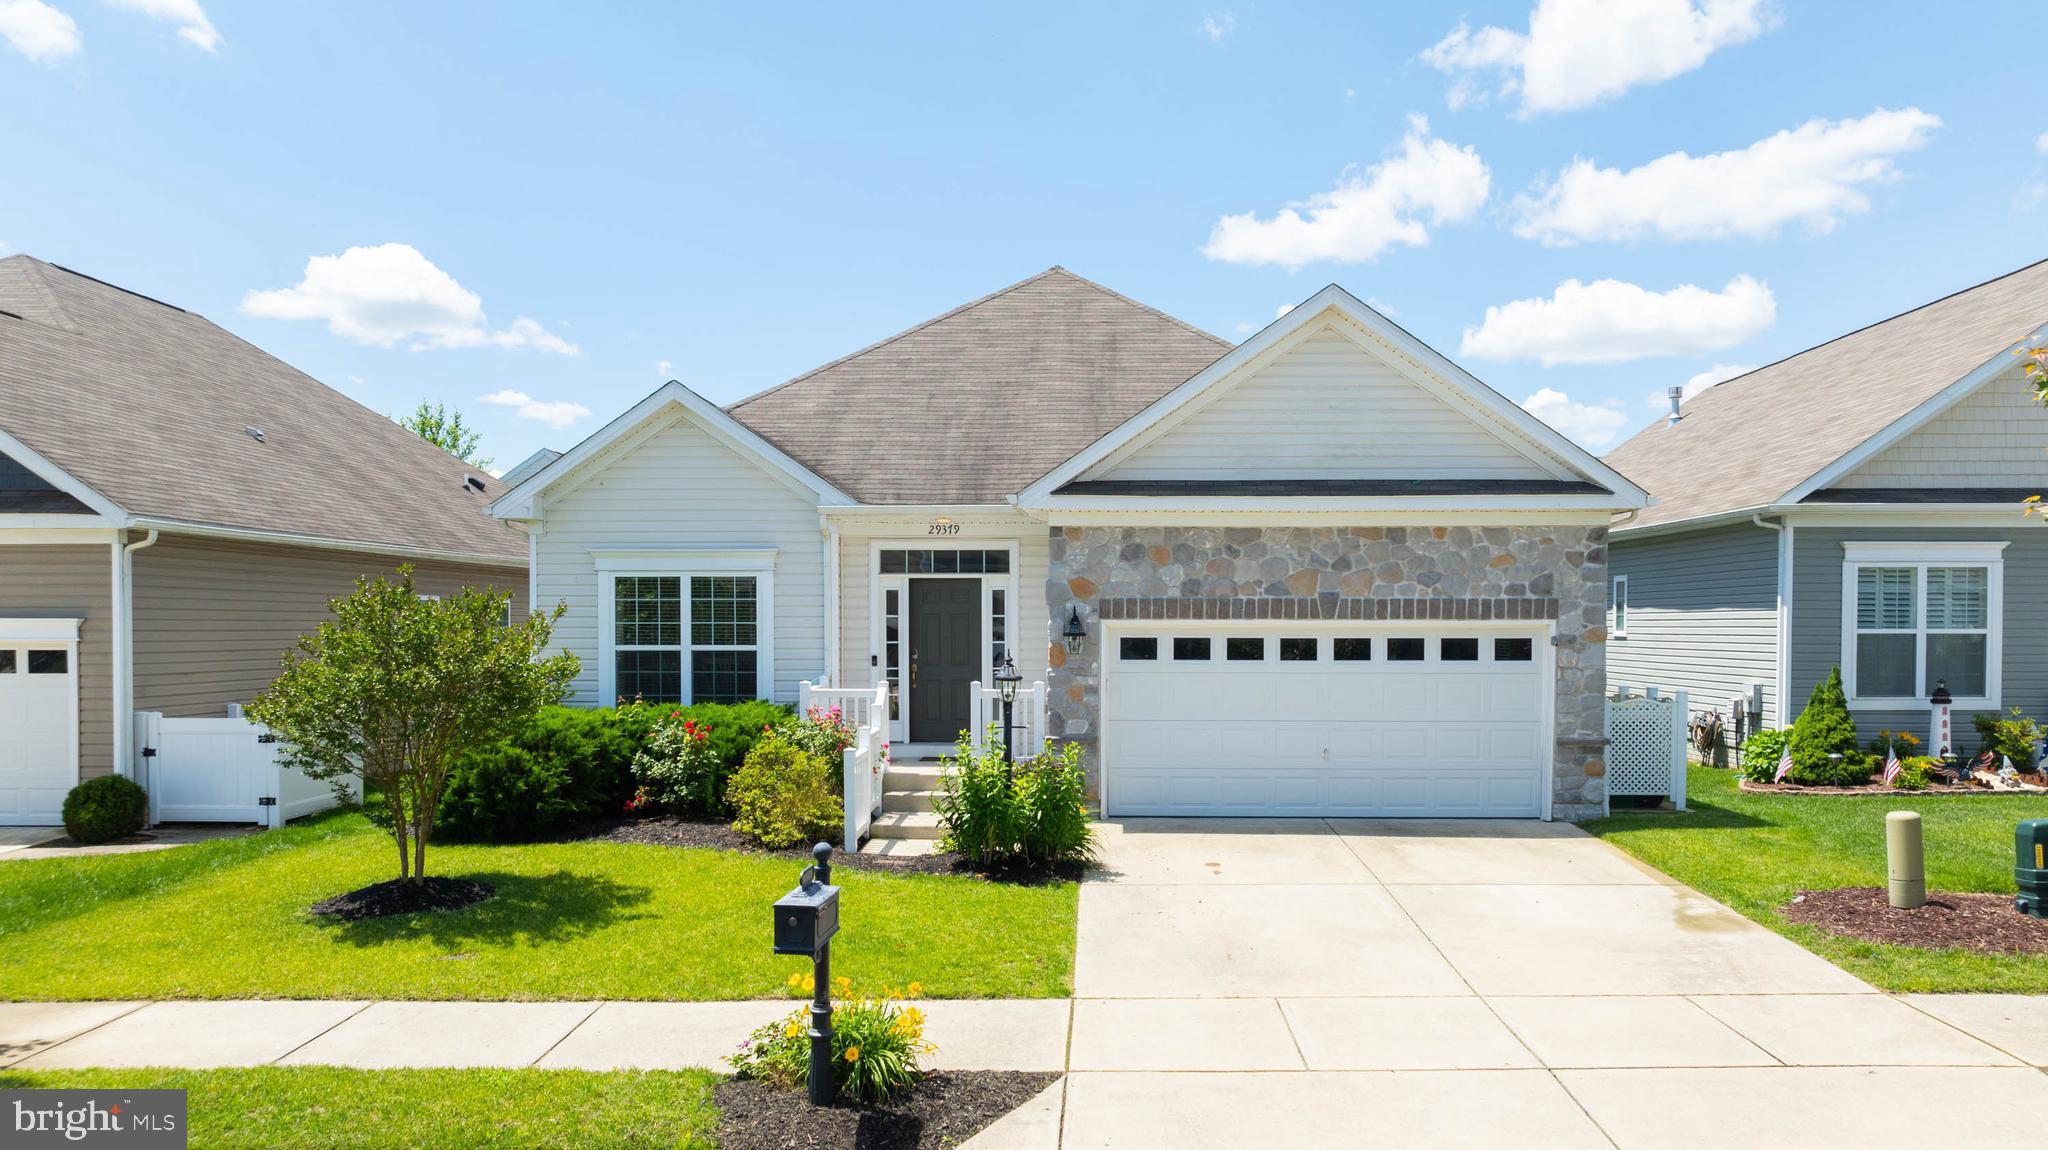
x: 1783, y: 669
x: 124, y: 651
x: 253, y: 535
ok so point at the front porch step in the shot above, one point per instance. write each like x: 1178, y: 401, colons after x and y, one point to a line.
x: 908, y: 801
x: 899, y: 848
x: 913, y: 776
x: 908, y: 825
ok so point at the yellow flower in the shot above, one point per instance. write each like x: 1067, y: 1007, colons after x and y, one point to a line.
x: 844, y: 984
x: 792, y: 1030
x: 795, y: 980
x: 810, y: 983
x: 853, y: 1054
x: 916, y: 988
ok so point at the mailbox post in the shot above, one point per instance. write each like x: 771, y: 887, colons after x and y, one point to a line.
x: 805, y: 921
x: 2030, y: 867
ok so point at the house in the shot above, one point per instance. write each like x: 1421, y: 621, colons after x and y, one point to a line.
x: 176, y: 507
x: 1325, y: 571
x: 1857, y: 505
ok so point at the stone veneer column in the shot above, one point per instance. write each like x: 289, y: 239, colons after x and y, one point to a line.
x: 1363, y: 573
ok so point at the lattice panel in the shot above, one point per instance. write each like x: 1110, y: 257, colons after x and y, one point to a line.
x: 1639, y: 739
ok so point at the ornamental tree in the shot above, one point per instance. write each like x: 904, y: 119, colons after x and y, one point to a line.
x: 395, y: 687
x: 1825, y: 728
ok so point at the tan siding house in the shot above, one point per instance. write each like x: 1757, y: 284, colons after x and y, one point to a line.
x: 164, y: 560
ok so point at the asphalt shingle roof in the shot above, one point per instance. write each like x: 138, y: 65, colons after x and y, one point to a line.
x: 147, y: 405
x: 1746, y: 442
x: 974, y: 405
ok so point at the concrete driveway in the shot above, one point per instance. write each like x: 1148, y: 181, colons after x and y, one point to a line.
x: 1311, y: 982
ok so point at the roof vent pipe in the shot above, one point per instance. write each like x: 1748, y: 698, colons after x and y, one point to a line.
x: 1677, y: 396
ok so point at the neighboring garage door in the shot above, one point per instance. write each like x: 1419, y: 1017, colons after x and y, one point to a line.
x: 38, y: 718
x: 1444, y: 720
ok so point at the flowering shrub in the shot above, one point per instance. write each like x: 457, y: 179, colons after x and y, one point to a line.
x: 678, y: 767
x: 822, y: 731
x: 640, y: 801
x: 878, y: 1043
x: 1035, y: 811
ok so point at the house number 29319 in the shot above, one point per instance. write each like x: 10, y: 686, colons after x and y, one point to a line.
x: 943, y: 529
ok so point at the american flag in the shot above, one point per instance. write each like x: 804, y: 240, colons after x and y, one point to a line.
x: 1784, y: 766
x: 1891, y: 764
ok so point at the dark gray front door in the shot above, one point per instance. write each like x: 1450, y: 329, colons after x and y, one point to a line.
x: 945, y: 655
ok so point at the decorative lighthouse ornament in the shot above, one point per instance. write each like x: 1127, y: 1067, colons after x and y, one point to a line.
x: 1940, y: 735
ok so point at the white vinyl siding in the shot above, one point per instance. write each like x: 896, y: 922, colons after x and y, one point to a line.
x: 676, y: 488
x: 1990, y: 438
x: 1326, y: 409
x: 1703, y: 617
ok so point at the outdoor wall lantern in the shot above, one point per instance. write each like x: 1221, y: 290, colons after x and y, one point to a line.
x: 1073, y: 631
x: 805, y: 921
x: 1006, y: 679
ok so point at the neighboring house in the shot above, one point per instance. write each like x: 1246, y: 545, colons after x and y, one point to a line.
x: 176, y: 507
x: 1322, y: 572
x: 1858, y: 504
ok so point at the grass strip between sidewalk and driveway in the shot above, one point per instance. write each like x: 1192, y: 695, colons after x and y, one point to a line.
x: 273, y: 1107
x: 573, y: 920
x: 1755, y: 851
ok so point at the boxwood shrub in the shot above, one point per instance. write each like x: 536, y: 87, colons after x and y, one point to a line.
x: 104, y: 809
x: 572, y: 764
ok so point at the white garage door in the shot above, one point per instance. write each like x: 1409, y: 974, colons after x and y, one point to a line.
x: 1442, y: 720
x: 38, y: 719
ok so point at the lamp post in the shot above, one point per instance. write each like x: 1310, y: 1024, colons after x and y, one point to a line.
x: 1007, y: 678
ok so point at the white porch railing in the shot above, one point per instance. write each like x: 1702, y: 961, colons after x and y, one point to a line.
x: 1646, y: 743
x: 220, y: 770
x: 857, y: 705
x: 863, y: 764
x: 985, y: 707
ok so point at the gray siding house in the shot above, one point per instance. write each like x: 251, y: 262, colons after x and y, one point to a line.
x: 176, y: 507
x: 1856, y: 505
x: 1324, y: 571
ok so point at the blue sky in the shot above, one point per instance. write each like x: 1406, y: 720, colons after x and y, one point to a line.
x: 571, y: 203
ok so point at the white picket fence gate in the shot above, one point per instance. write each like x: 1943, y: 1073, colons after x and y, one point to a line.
x: 1027, y: 711
x: 866, y: 762
x: 1646, y: 743
x: 225, y: 770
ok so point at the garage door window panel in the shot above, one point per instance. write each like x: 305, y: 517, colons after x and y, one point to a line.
x: 1298, y: 650
x: 1138, y: 648
x: 1245, y: 648
x: 1406, y: 649
x: 1187, y: 650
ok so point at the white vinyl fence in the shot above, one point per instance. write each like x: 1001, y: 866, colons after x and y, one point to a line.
x: 1646, y: 743
x: 226, y: 770
x: 1027, y: 711
x: 866, y: 710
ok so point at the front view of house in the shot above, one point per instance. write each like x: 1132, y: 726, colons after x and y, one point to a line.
x: 1322, y: 572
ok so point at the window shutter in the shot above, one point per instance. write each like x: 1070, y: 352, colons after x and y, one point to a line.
x: 1884, y: 599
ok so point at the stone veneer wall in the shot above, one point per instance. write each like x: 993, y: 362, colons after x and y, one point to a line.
x: 1364, y: 573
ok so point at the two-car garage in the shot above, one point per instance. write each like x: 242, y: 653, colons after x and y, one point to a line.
x: 1314, y: 718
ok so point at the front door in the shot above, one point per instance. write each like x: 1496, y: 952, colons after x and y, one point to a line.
x: 945, y: 650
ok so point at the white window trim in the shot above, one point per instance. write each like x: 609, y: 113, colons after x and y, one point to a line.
x: 1617, y: 606
x: 614, y: 565
x: 1920, y: 556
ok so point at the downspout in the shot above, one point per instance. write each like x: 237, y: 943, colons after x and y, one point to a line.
x: 831, y: 678
x: 1783, y: 668
x: 124, y: 652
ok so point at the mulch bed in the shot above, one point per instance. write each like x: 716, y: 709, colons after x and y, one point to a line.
x: 944, y: 1110
x: 1980, y: 922
x: 401, y: 897
x: 675, y: 831
x: 1877, y: 787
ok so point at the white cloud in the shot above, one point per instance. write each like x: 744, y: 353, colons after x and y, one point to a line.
x: 38, y: 31
x: 391, y: 294
x: 193, y: 26
x: 1218, y: 26
x: 1283, y: 309
x: 2031, y: 195
x: 1426, y: 182
x: 1591, y: 425
x: 2041, y: 143
x: 556, y: 414
x: 1608, y: 321
x: 1701, y: 381
x: 1810, y: 174
x: 662, y: 369
x: 1579, y: 52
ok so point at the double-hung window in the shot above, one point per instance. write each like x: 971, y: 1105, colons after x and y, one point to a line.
x: 1919, y: 614
x: 670, y: 634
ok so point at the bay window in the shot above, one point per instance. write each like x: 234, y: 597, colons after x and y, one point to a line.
x: 1918, y: 614
x: 684, y: 627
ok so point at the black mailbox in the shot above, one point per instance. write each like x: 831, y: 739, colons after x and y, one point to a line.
x: 806, y: 918
x: 2030, y: 867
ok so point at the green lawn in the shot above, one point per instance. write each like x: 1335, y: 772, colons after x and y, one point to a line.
x: 587, y: 920
x: 273, y: 1107
x: 1755, y: 851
